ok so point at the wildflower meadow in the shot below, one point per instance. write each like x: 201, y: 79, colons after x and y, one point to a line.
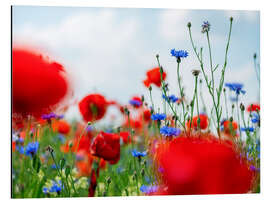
x: 174, y: 145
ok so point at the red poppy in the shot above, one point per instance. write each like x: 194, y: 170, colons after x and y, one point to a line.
x: 107, y: 146
x: 253, y: 107
x: 61, y: 126
x: 203, y: 122
x: 230, y: 127
x: 203, y: 165
x: 93, y: 107
x: 38, y: 85
x: 147, y: 115
x: 125, y: 137
x: 154, y: 77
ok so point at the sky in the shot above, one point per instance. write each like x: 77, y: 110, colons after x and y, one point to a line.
x: 109, y: 50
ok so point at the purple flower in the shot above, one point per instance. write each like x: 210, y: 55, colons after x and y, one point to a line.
x: 148, y: 189
x: 136, y: 153
x: 236, y: 87
x: 32, y: 148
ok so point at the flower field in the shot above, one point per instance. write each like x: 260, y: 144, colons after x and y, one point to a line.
x: 186, y: 146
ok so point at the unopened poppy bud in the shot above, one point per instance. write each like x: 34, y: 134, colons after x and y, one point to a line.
x: 134, y: 175
x: 242, y: 107
x: 189, y: 24
x: 231, y: 18
x: 231, y: 119
x: 157, y: 56
x: 255, y: 56
x: 142, y: 172
x: 49, y: 149
x: 108, y: 180
x: 150, y: 88
x: 233, y: 106
x: 224, y: 89
x: 88, y: 123
x: 119, y: 129
x: 70, y: 145
x: 195, y: 72
x: 132, y: 131
x: 142, y: 98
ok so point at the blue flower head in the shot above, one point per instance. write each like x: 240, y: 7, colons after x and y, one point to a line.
x: 171, y: 98
x: 169, y: 131
x: 51, y: 115
x: 136, y: 153
x: 205, y: 27
x: 179, y: 54
x: 56, y: 187
x: 247, y: 129
x: 158, y: 116
x: 255, y: 118
x: 148, y: 189
x: 45, y: 190
x: 135, y: 103
x: 236, y: 87
x: 32, y: 148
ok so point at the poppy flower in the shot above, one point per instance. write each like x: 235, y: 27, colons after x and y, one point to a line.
x: 154, y: 77
x: 106, y: 146
x: 230, y: 127
x: 147, y: 115
x: 203, y: 122
x: 63, y: 127
x: 253, y: 107
x: 93, y: 107
x: 125, y: 137
x: 203, y: 165
x: 38, y: 85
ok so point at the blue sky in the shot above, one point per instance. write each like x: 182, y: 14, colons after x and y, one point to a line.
x: 109, y: 50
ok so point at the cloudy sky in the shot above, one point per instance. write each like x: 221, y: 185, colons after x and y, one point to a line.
x: 109, y: 50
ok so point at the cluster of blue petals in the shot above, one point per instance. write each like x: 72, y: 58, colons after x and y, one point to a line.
x: 171, y: 98
x: 136, y: 153
x: 179, y: 54
x: 236, y: 87
x: 135, y: 103
x: 148, y: 189
x: 158, y: 116
x: 169, y: 131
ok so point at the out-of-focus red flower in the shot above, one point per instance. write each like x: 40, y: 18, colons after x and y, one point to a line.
x: 230, y: 127
x: 61, y: 126
x: 154, y: 77
x: 203, y: 122
x: 134, y: 123
x: 125, y: 137
x: 93, y: 107
x: 253, y: 107
x: 203, y: 165
x: 147, y: 115
x: 38, y: 85
x: 106, y: 146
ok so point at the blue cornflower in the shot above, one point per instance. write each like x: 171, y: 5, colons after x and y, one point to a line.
x: 205, y: 26
x: 56, y: 187
x: 171, y: 98
x: 236, y: 87
x: 158, y: 116
x: 179, y: 54
x: 253, y: 168
x: 148, y: 189
x: 61, y: 138
x: 32, y: 148
x: 135, y: 103
x: 169, y: 131
x: 248, y: 129
x: 136, y: 153
x: 45, y: 190
x: 20, y: 149
x: 255, y: 118
x: 51, y: 115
